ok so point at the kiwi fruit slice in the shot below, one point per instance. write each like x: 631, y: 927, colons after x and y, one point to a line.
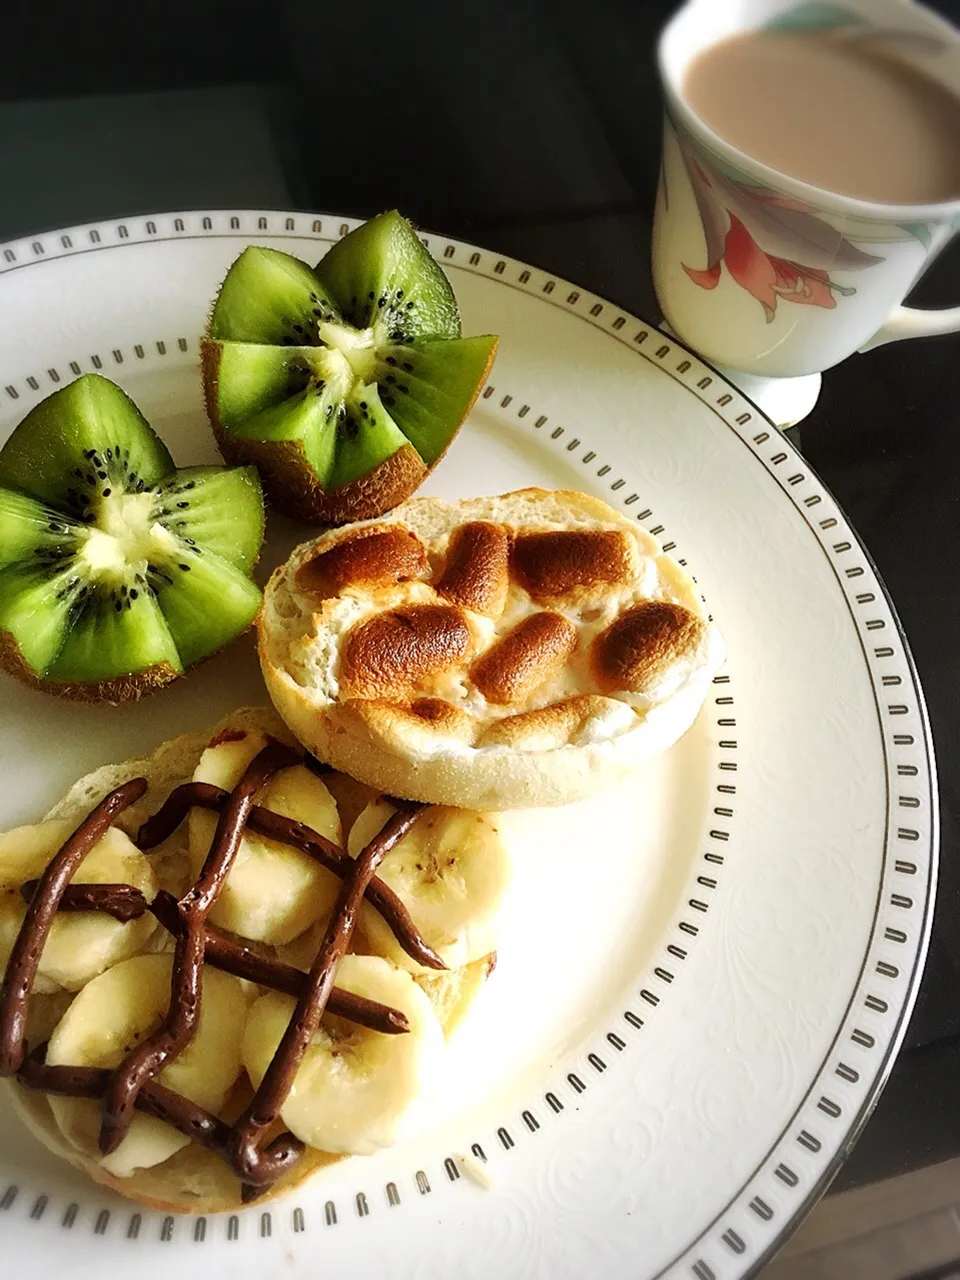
x: 117, y: 571
x: 344, y: 383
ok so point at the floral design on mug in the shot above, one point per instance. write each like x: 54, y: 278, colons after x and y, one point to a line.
x: 816, y: 16
x: 777, y: 248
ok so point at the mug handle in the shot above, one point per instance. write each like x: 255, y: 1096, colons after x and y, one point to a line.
x: 909, y: 322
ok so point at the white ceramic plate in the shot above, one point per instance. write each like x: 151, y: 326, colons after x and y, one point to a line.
x: 705, y: 975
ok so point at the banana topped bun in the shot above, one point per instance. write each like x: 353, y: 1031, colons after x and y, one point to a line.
x: 504, y: 652
x: 231, y: 865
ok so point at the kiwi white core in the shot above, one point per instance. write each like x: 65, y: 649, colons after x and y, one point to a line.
x: 125, y: 533
x: 356, y: 346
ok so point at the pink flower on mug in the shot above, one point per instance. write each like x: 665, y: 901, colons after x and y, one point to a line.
x: 767, y: 278
x: 774, y: 247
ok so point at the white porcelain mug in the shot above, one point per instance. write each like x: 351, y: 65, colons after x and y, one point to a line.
x: 762, y: 273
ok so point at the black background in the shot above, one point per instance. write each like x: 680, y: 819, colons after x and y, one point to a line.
x: 532, y: 127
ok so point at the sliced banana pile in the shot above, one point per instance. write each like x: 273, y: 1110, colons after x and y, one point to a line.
x: 109, y: 1017
x: 355, y: 1085
x: 450, y: 871
x: 273, y: 893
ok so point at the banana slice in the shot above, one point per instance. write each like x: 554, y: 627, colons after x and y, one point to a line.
x: 80, y: 944
x: 114, y: 1013
x: 43, y: 1015
x: 451, y: 872
x: 302, y: 951
x: 273, y: 893
x: 354, y: 1086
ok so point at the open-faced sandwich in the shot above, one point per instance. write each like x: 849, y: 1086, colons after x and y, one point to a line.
x: 522, y: 650
x: 227, y: 965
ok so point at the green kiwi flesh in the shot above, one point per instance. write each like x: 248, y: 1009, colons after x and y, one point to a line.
x: 349, y: 363
x: 117, y: 572
x: 382, y: 278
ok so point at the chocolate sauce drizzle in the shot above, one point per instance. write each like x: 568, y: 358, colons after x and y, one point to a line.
x: 125, y: 903
x: 91, y: 1082
x: 122, y: 901
x: 131, y: 1087
x: 204, y: 795
x: 257, y: 1166
x: 180, y: 1025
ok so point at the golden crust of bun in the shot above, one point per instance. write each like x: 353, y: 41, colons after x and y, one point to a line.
x: 642, y: 644
x: 195, y: 1180
x: 476, y: 574
x: 565, y: 566
x: 514, y: 667
x: 521, y: 650
x: 380, y: 556
x: 394, y: 652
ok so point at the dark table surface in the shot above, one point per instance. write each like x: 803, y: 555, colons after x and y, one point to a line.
x: 531, y: 127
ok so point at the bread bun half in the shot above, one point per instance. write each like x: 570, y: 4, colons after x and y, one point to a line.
x: 196, y: 1180
x: 502, y: 652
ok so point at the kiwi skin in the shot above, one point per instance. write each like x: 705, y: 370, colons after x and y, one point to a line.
x: 117, y: 689
x: 288, y: 479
